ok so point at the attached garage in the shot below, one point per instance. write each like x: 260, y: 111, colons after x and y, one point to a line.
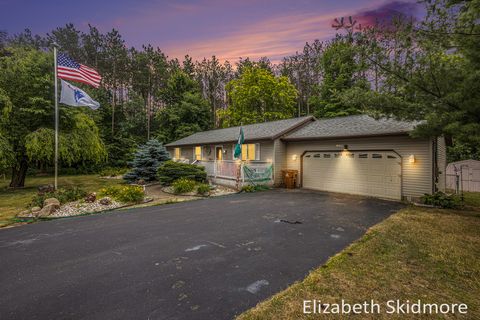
x: 366, y: 156
x: 370, y: 173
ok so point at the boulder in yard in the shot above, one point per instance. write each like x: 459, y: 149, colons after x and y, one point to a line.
x: 106, y: 201
x: 47, y: 210
x: 50, y: 201
x: 46, y: 188
x: 36, y: 209
x: 91, y: 197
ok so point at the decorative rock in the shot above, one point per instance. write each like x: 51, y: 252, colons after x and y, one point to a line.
x: 141, y: 182
x: 45, y: 188
x: 50, y: 201
x: 106, y: 201
x: 36, y: 209
x: 47, y: 210
x: 91, y: 197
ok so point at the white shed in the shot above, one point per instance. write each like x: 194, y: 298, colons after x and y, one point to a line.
x: 468, y: 173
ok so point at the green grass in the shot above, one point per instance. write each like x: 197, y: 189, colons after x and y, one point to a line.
x: 472, y: 199
x: 13, y: 201
x: 418, y: 253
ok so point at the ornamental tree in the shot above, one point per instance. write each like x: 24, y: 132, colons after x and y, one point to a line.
x: 147, y: 160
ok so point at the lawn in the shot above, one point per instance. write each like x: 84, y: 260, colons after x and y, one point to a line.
x: 13, y: 201
x: 418, y: 253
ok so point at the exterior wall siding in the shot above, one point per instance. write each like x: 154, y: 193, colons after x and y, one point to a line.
x: 416, y: 177
x: 442, y: 163
x: 208, y: 151
x: 280, y: 157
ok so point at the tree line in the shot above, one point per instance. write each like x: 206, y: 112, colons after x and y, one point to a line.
x: 424, y: 70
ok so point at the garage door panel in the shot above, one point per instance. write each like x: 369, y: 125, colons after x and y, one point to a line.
x: 375, y: 174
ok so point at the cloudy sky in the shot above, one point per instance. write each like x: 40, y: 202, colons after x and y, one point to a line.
x: 228, y: 29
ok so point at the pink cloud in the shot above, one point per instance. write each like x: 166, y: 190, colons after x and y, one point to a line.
x: 274, y: 38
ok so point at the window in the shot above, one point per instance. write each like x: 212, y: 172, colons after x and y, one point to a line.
x: 250, y: 151
x: 198, y: 153
x: 376, y: 156
x: 317, y: 155
x: 391, y: 157
x: 176, y: 153
x: 327, y: 155
x: 363, y: 155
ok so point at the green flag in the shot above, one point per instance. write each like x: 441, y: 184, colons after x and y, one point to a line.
x: 238, y: 146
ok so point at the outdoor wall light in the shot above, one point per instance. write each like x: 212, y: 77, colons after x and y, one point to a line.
x: 294, y: 157
x: 411, y: 159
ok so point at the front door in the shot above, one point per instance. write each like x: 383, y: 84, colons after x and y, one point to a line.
x: 219, y: 153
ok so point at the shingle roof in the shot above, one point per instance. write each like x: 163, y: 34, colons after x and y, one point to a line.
x: 350, y: 126
x: 257, y: 131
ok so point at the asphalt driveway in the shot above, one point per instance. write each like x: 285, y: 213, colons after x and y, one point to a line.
x: 206, y: 259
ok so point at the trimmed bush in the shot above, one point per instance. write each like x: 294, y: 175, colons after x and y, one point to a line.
x: 203, y: 188
x: 183, y: 185
x: 171, y: 171
x: 64, y: 195
x: 441, y: 199
x: 125, y: 194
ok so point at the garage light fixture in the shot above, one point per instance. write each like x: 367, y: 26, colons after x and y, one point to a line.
x: 345, y: 146
x: 411, y: 159
x: 294, y: 157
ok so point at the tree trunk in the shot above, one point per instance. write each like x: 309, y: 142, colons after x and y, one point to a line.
x: 19, y: 174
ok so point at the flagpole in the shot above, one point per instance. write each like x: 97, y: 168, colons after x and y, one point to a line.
x: 56, y: 115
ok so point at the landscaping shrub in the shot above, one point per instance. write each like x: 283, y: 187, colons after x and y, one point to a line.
x: 441, y: 199
x: 203, y: 188
x: 171, y: 171
x: 64, y: 195
x: 248, y: 188
x: 254, y: 188
x: 183, y: 185
x: 112, y: 171
x: 126, y: 194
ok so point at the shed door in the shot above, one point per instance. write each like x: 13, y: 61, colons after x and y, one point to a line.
x: 376, y: 174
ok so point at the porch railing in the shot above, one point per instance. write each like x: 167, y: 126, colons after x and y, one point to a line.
x: 229, y: 169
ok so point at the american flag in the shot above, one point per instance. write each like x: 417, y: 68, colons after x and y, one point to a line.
x: 69, y: 69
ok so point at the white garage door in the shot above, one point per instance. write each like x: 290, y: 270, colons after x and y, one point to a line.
x: 372, y: 173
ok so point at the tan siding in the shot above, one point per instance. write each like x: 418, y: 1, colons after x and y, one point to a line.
x: 266, y: 150
x: 186, y: 153
x: 442, y: 163
x: 208, y: 151
x: 417, y: 177
x: 280, y: 155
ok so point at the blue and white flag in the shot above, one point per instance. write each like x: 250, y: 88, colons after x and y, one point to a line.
x: 75, y: 97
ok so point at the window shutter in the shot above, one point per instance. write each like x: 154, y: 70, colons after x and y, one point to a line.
x: 257, y: 151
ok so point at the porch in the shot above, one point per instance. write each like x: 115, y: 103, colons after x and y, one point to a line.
x: 238, y: 173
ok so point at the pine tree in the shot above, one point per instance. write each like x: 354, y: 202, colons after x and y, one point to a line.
x: 147, y: 160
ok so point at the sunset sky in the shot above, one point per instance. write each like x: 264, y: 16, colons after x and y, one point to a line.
x: 202, y: 28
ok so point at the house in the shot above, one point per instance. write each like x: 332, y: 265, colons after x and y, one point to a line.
x: 352, y: 154
x: 464, y: 175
